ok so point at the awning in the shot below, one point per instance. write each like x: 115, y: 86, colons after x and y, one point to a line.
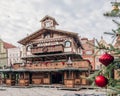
x: 44, y: 70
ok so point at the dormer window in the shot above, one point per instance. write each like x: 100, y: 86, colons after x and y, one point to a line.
x: 47, y: 35
x: 67, y: 44
x: 34, y: 45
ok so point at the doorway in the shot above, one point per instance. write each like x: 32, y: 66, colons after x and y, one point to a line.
x: 56, y: 78
x: 30, y: 78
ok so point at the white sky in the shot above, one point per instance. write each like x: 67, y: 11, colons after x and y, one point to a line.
x: 21, y: 17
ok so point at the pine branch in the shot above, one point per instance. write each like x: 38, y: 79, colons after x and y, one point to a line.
x: 92, y: 76
x: 109, y: 33
x: 116, y: 22
x: 115, y: 3
x: 114, y: 89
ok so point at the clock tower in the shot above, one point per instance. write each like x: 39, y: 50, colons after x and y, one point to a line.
x: 48, y: 22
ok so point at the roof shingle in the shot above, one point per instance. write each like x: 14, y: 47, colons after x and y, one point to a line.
x: 8, y: 45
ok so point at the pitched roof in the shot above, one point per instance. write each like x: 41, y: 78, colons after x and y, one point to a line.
x: 25, y: 40
x: 84, y: 38
x: 8, y: 45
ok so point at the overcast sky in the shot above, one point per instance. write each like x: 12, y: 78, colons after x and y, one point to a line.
x: 21, y: 17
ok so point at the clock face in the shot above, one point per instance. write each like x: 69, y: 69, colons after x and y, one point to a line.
x: 47, y: 24
x: 67, y: 44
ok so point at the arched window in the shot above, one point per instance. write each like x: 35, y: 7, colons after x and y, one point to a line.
x: 67, y: 44
x: 47, y: 35
x: 28, y: 48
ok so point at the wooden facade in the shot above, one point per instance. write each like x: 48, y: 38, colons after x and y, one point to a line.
x: 117, y: 56
x: 50, y: 56
x: 89, y: 50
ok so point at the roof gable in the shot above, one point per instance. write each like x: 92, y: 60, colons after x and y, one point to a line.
x: 27, y: 39
x: 8, y: 45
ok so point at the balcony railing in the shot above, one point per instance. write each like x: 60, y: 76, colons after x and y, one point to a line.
x: 55, y: 65
x: 47, y: 49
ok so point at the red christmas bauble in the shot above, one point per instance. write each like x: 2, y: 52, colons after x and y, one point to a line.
x: 101, y: 81
x: 106, y: 59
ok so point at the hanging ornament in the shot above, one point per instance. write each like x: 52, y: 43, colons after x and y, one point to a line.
x: 106, y: 59
x: 101, y: 81
x: 63, y: 63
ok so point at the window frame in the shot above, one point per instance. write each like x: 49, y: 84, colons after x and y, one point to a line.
x: 66, y: 45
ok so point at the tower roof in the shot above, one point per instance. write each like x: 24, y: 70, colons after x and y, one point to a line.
x: 49, y: 17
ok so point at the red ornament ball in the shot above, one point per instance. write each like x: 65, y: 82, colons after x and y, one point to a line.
x: 106, y: 59
x: 101, y: 81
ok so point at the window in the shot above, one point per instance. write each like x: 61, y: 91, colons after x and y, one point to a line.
x: 28, y: 48
x: 34, y: 45
x: 97, y: 59
x: 89, y: 52
x: 46, y: 75
x: 67, y: 44
x: 47, y: 35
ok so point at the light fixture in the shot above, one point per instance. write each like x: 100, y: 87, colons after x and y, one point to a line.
x: 69, y: 63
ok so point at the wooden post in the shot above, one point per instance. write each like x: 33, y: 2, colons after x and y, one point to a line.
x: 72, y: 75
x: 65, y: 75
x: 24, y: 76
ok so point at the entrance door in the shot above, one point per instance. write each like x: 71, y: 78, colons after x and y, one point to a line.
x: 30, y: 78
x: 56, y: 78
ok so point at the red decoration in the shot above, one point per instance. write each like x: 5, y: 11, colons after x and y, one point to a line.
x: 101, y: 81
x: 46, y: 63
x: 63, y: 63
x: 106, y: 59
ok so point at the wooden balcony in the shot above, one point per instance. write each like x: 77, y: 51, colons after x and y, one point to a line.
x: 57, y: 65
x: 47, y: 49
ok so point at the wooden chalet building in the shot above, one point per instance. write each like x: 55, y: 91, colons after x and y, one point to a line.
x: 51, y: 56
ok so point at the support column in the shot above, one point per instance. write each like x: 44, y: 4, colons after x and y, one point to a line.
x: 65, y: 75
